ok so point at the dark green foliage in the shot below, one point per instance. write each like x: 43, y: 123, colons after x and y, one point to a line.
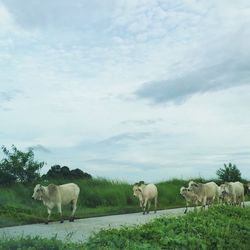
x: 218, y: 228
x: 36, y: 243
x: 58, y: 172
x: 229, y: 173
x: 18, y: 166
x: 6, y: 178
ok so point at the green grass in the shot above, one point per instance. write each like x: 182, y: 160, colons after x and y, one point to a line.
x: 97, y: 197
x: 36, y: 243
x: 221, y: 227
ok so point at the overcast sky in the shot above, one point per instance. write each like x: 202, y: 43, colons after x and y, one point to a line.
x: 127, y: 89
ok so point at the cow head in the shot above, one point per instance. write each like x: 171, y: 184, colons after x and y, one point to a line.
x: 138, y: 192
x: 38, y: 192
x: 183, y: 190
x: 192, y: 186
x: 224, y: 189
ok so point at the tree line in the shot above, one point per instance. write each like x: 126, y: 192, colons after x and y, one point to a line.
x: 21, y: 167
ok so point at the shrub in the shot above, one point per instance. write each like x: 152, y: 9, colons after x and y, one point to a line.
x: 218, y: 228
x: 18, y: 166
x: 229, y: 173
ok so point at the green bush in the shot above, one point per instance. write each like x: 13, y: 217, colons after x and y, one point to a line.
x: 36, y: 243
x: 18, y: 166
x: 218, y: 228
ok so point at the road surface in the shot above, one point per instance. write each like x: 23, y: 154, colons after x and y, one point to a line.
x: 82, y: 229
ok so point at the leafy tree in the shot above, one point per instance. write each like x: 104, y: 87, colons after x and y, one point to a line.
x: 78, y: 173
x: 6, y: 178
x: 229, y: 173
x: 18, y: 166
x: 64, y: 172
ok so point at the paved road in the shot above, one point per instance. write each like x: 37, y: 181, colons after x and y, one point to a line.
x: 82, y: 229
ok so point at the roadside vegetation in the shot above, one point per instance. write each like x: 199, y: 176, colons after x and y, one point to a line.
x: 98, y: 197
x: 223, y: 227
x: 220, y: 227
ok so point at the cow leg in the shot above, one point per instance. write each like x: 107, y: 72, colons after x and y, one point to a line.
x: 204, y: 202
x: 195, y: 206
x: 141, y: 205
x: 243, y: 200
x: 49, y: 213
x: 155, y: 204
x: 186, y: 208
x: 59, y: 207
x: 145, y: 206
x: 149, y: 204
x: 234, y: 200
x: 73, y: 207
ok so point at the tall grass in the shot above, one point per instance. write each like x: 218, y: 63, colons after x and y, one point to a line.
x: 97, y: 197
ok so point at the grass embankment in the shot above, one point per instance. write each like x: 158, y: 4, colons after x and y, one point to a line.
x: 97, y: 197
x: 222, y: 227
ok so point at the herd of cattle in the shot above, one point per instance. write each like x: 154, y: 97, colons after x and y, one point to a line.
x: 195, y: 194
x: 208, y: 193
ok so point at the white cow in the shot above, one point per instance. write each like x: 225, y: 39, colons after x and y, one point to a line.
x: 224, y: 194
x: 235, y: 190
x: 247, y: 189
x: 190, y: 197
x: 145, y: 194
x: 207, y: 192
x: 57, y: 195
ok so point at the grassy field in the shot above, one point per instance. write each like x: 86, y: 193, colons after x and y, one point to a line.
x: 97, y: 197
x: 221, y: 227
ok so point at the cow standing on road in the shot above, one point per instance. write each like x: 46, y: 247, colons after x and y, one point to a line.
x: 207, y: 192
x: 235, y: 191
x: 145, y: 194
x: 190, y: 197
x: 57, y: 195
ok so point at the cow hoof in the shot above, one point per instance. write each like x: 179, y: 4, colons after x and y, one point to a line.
x: 46, y: 222
x: 61, y: 221
x: 71, y: 219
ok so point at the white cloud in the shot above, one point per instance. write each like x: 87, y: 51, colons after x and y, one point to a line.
x: 6, y: 20
x: 78, y: 79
